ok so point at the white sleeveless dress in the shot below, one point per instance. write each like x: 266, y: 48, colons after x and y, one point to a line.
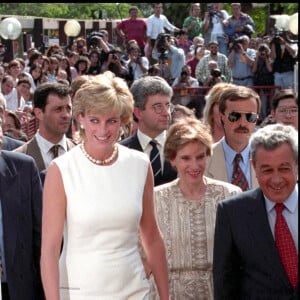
x: 100, y: 258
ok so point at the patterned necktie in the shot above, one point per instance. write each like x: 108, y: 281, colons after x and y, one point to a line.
x: 155, y: 158
x: 238, y: 177
x: 54, y: 150
x: 286, y: 246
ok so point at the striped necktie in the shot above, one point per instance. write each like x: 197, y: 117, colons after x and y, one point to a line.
x: 54, y: 150
x: 155, y: 158
x: 238, y: 177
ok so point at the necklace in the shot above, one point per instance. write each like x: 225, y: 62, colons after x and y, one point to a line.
x: 98, y: 161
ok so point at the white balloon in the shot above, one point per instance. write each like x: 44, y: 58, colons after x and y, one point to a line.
x: 282, y: 22
x: 10, y: 29
x: 72, y: 28
x: 293, y: 24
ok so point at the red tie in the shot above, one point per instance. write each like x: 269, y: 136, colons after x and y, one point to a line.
x: 285, y: 246
x: 238, y: 177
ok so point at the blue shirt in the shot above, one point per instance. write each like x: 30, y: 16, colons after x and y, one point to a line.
x: 245, y: 164
x: 177, y: 58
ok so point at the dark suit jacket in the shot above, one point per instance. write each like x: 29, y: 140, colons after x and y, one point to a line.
x: 32, y: 148
x: 246, y: 262
x: 21, y: 201
x: 169, y: 173
x: 10, y: 143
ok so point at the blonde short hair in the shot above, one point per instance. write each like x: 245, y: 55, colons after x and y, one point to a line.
x: 104, y: 93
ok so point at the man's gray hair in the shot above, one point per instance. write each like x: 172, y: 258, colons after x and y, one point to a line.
x: 148, y: 86
x: 272, y: 136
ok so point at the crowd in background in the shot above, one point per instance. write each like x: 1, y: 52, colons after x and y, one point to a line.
x: 217, y: 48
x: 76, y: 91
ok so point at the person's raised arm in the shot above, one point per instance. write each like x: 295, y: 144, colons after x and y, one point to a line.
x: 152, y: 240
x: 53, y: 217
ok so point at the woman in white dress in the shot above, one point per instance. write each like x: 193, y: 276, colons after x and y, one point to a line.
x: 99, y: 198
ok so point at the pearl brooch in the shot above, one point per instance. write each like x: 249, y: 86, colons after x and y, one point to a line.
x: 98, y: 161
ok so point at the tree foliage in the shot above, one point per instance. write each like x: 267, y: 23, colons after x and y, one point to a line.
x: 176, y: 12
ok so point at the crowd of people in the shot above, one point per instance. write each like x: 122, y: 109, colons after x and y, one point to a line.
x: 124, y: 193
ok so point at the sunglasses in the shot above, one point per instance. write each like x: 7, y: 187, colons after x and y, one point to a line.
x: 234, y: 116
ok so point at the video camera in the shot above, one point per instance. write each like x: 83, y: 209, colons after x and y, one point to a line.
x: 235, y: 45
x: 183, y: 75
x: 213, y: 12
x: 161, y: 42
x: 216, y: 72
x: 275, y: 38
x: 92, y: 40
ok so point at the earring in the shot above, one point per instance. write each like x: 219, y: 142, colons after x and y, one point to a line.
x: 81, y: 126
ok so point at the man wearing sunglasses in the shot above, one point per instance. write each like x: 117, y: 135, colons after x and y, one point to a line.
x: 239, y: 108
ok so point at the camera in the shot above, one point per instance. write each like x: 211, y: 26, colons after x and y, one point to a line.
x: 184, y: 75
x: 236, y: 44
x: 114, y: 56
x: 215, y: 72
x: 92, y: 39
x: 161, y: 42
x: 79, y: 44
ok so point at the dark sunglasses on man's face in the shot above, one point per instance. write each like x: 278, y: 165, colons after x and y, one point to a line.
x: 234, y: 116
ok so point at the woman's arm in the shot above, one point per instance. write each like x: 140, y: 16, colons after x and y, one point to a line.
x: 54, y: 210
x: 152, y: 240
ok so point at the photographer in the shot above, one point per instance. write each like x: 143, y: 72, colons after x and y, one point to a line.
x: 263, y: 75
x: 138, y: 63
x: 215, y: 74
x: 238, y: 24
x: 241, y: 60
x: 284, y: 55
x: 156, y: 24
x: 116, y: 64
x: 166, y: 50
x: 202, y: 69
x: 185, y: 80
x: 80, y: 46
x: 214, y: 25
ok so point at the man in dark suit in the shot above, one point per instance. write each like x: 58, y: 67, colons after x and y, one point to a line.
x: 20, y: 226
x: 52, y: 106
x: 152, y: 109
x: 247, y: 261
x: 8, y: 143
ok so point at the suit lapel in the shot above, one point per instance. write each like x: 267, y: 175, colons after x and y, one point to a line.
x: 216, y: 167
x: 261, y: 232
x: 34, y: 150
x: 9, y: 182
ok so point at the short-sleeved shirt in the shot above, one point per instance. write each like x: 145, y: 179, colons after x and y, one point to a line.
x: 156, y: 25
x: 196, y: 30
x: 134, y: 30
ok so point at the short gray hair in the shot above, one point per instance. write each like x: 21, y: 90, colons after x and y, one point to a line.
x: 272, y: 136
x: 148, y: 86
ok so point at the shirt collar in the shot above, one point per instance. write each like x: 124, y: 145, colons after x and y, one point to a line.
x: 230, y: 153
x: 45, y: 144
x: 290, y: 203
x: 145, y: 139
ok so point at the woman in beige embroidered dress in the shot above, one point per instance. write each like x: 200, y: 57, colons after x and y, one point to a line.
x: 186, y: 209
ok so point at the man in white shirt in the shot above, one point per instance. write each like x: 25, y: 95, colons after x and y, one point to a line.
x: 52, y: 106
x: 156, y: 24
